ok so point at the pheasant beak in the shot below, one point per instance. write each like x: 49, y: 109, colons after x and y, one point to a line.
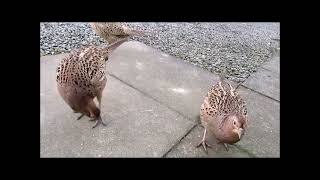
x: 239, y: 131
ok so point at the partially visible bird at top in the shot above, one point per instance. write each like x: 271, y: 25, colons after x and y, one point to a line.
x: 113, y: 31
x: 81, y: 77
x: 224, y: 114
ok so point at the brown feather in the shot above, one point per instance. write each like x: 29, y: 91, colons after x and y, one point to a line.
x: 113, y: 31
x: 220, y: 108
x: 81, y: 76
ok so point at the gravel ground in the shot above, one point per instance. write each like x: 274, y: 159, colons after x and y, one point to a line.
x: 233, y: 49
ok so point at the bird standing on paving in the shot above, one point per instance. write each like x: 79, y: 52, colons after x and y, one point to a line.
x: 223, y: 113
x: 81, y: 76
x: 113, y: 31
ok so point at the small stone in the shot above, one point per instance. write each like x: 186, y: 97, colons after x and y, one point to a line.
x: 235, y: 42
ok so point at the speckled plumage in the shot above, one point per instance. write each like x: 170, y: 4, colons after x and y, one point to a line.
x: 81, y: 76
x: 223, y: 113
x: 113, y: 31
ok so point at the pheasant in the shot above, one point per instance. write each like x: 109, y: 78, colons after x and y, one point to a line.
x: 81, y: 76
x: 114, y: 31
x: 224, y: 114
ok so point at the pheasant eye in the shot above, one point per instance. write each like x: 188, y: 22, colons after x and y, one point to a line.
x: 234, y: 122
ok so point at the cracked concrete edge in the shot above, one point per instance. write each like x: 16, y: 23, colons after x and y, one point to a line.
x: 239, y: 147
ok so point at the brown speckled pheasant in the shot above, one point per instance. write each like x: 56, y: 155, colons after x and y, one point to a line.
x: 223, y: 113
x: 81, y: 77
x: 113, y: 31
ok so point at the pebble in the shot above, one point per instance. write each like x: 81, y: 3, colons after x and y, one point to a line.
x: 236, y: 49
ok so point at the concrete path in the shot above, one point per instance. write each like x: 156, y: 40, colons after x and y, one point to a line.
x: 151, y: 103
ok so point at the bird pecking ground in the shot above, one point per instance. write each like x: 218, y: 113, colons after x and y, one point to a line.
x: 233, y: 49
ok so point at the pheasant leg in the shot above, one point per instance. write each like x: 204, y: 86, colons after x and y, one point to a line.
x: 203, y: 142
x: 226, y: 146
x: 80, y: 117
x: 98, y: 121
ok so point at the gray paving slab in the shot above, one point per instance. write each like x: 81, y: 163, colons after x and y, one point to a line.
x: 265, y: 82
x: 187, y: 147
x: 262, y: 138
x: 273, y: 65
x: 137, y: 125
x: 48, y: 65
x: 179, y: 85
